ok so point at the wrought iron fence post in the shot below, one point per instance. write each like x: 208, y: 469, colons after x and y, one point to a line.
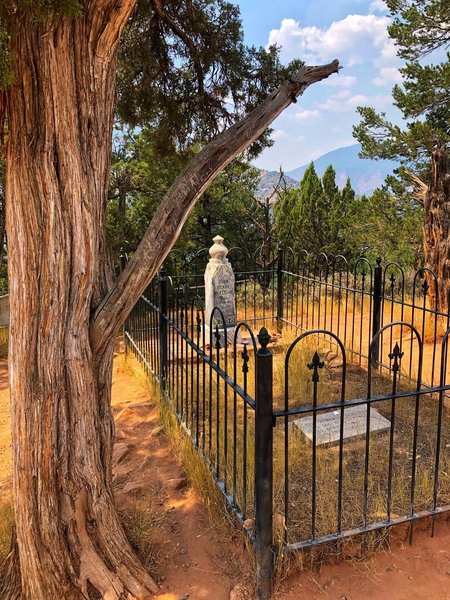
x: 280, y: 289
x: 162, y: 280
x: 376, y: 315
x: 123, y: 263
x: 264, y: 467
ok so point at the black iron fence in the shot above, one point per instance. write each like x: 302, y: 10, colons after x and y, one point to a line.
x: 336, y: 425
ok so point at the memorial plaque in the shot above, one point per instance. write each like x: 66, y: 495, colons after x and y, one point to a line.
x: 328, y: 425
x: 219, y: 292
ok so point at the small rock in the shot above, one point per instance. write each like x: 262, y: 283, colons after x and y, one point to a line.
x: 125, y: 412
x: 279, y: 526
x: 122, y: 434
x: 247, y: 524
x: 336, y: 362
x: 132, y: 487
x: 240, y: 592
x: 120, y: 451
x: 184, y: 597
x: 327, y: 584
x: 157, y: 430
x: 175, y: 484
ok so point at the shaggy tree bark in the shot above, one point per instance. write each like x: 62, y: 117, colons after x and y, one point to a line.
x: 63, y: 318
x: 435, y: 199
x: 70, y: 540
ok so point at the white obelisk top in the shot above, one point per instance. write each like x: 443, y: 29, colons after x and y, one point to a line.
x: 218, y: 250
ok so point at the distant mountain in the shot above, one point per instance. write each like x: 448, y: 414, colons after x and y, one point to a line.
x: 269, y: 181
x: 365, y: 174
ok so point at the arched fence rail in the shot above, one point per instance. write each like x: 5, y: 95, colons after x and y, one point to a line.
x: 322, y: 413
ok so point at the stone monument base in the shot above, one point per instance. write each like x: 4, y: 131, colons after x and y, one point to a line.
x: 231, y: 329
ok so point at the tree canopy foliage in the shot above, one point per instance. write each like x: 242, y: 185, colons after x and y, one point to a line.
x: 421, y: 31
x: 312, y: 216
x: 184, y: 68
x: 318, y: 217
x: 140, y: 176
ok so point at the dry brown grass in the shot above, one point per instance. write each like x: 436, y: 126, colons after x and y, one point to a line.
x: 6, y: 526
x: 4, y: 336
x: 140, y: 524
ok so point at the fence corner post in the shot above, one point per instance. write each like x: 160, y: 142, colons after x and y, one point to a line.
x: 264, y: 468
x: 162, y: 281
x: 376, y: 314
x: 280, y: 288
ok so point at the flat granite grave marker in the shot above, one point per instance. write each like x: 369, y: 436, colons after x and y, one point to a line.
x: 328, y: 425
x: 219, y: 292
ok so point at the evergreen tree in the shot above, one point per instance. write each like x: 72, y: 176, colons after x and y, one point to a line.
x: 384, y: 225
x: 333, y: 213
x: 419, y: 28
x: 299, y: 214
x: 312, y: 216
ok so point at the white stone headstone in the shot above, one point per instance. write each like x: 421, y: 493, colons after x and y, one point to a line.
x: 219, y: 292
x: 328, y: 425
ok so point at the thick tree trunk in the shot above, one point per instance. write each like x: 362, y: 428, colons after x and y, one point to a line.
x: 2, y: 228
x: 63, y: 319
x: 436, y: 229
x: 435, y: 198
x: 70, y: 540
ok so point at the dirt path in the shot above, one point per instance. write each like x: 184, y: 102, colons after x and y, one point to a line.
x: 188, y: 559
x: 417, y: 572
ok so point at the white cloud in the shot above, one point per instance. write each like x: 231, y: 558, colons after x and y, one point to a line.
x: 305, y: 114
x: 387, y: 75
x: 378, y: 6
x: 279, y: 134
x: 344, y: 81
x: 343, y: 94
x: 356, y: 39
x: 338, y: 103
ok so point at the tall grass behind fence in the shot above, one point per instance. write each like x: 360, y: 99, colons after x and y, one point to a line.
x: 356, y: 300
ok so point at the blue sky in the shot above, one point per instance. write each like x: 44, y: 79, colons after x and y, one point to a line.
x: 353, y: 31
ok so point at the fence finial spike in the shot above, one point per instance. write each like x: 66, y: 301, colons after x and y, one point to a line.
x: 264, y: 338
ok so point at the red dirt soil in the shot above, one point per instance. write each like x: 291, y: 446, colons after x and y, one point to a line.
x: 191, y: 561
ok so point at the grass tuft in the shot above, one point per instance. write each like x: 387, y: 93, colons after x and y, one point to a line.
x: 6, y: 526
x: 140, y: 525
